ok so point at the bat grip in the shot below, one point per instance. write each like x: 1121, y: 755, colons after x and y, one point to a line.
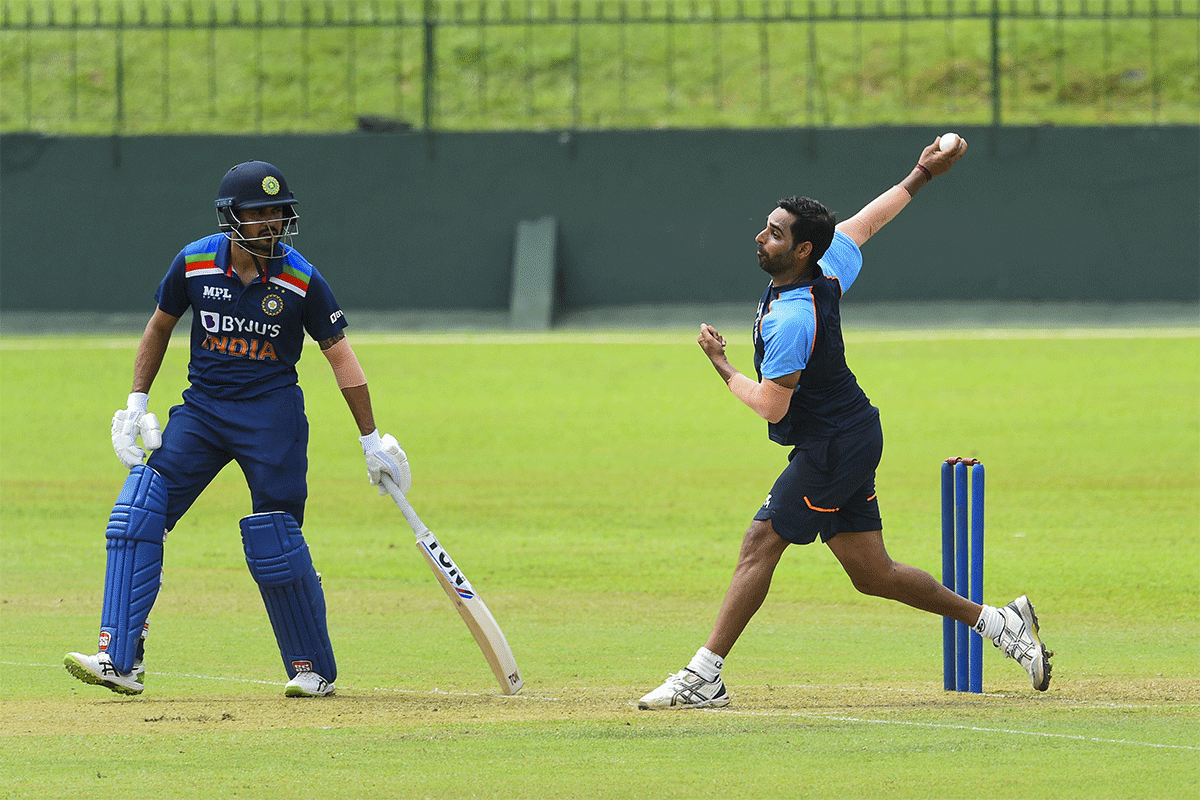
x: 414, y: 522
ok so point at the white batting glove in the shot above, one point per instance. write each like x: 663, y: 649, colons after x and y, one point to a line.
x: 385, y: 456
x: 129, y: 423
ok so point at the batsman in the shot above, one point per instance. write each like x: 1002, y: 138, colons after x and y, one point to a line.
x: 253, y: 299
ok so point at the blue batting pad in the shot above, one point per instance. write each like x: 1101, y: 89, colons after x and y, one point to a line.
x: 135, y: 557
x: 281, y: 565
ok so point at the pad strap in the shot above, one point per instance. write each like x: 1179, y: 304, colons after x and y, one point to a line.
x: 278, y: 558
x: 133, y: 573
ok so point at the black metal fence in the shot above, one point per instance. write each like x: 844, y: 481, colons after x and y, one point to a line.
x: 246, y: 66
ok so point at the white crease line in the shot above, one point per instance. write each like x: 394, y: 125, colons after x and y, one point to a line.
x: 836, y: 718
x: 444, y: 692
x: 434, y: 691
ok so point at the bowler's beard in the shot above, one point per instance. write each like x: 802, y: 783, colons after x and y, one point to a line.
x: 773, y: 265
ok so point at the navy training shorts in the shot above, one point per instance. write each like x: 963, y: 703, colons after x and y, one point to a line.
x: 828, y: 487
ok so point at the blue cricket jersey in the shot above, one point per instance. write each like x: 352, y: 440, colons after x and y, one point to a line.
x: 246, y: 340
x: 799, y: 327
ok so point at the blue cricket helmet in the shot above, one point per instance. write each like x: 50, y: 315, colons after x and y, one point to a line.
x: 254, y: 184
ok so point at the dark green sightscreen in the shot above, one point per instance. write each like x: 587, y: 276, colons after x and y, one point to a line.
x: 428, y: 221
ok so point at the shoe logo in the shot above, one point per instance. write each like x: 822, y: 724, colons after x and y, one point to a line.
x: 105, y: 638
x: 302, y: 666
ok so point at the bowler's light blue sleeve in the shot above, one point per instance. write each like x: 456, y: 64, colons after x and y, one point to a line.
x: 842, y: 260
x: 789, y: 329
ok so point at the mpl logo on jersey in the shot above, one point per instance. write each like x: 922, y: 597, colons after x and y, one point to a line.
x: 217, y: 293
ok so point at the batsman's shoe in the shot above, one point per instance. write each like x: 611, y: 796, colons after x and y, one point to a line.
x: 308, y: 684
x: 98, y: 670
x: 1019, y: 640
x: 686, y: 689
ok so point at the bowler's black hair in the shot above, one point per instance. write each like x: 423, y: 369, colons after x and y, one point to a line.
x: 814, y: 223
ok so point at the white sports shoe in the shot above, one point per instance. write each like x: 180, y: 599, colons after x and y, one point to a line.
x: 308, y: 684
x: 686, y: 689
x: 1019, y: 640
x: 98, y: 670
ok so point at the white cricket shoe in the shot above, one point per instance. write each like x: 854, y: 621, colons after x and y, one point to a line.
x: 308, y: 684
x: 1019, y: 641
x: 686, y: 689
x: 98, y: 670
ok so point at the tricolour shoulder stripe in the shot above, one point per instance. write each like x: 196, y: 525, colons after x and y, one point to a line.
x: 200, y: 256
x: 200, y: 264
x: 290, y: 283
x: 295, y: 274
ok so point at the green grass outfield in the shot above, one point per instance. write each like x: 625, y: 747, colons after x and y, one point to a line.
x: 594, y: 487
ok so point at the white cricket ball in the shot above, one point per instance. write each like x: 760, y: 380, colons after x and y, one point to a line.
x: 948, y: 142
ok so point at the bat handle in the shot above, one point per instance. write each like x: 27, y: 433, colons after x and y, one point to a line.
x: 414, y: 522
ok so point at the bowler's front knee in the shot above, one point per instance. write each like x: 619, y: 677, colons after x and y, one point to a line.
x: 762, y: 542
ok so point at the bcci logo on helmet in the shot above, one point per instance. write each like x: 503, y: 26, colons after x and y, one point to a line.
x: 254, y: 184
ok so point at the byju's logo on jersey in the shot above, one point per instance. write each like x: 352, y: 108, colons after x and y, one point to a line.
x: 217, y: 293
x: 220, y: 323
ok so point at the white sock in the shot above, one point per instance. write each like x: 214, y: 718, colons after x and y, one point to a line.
x: 990, y: 623
x: 706, y: 664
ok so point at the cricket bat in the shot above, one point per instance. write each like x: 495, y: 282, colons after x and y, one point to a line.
x: 470, y: 605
